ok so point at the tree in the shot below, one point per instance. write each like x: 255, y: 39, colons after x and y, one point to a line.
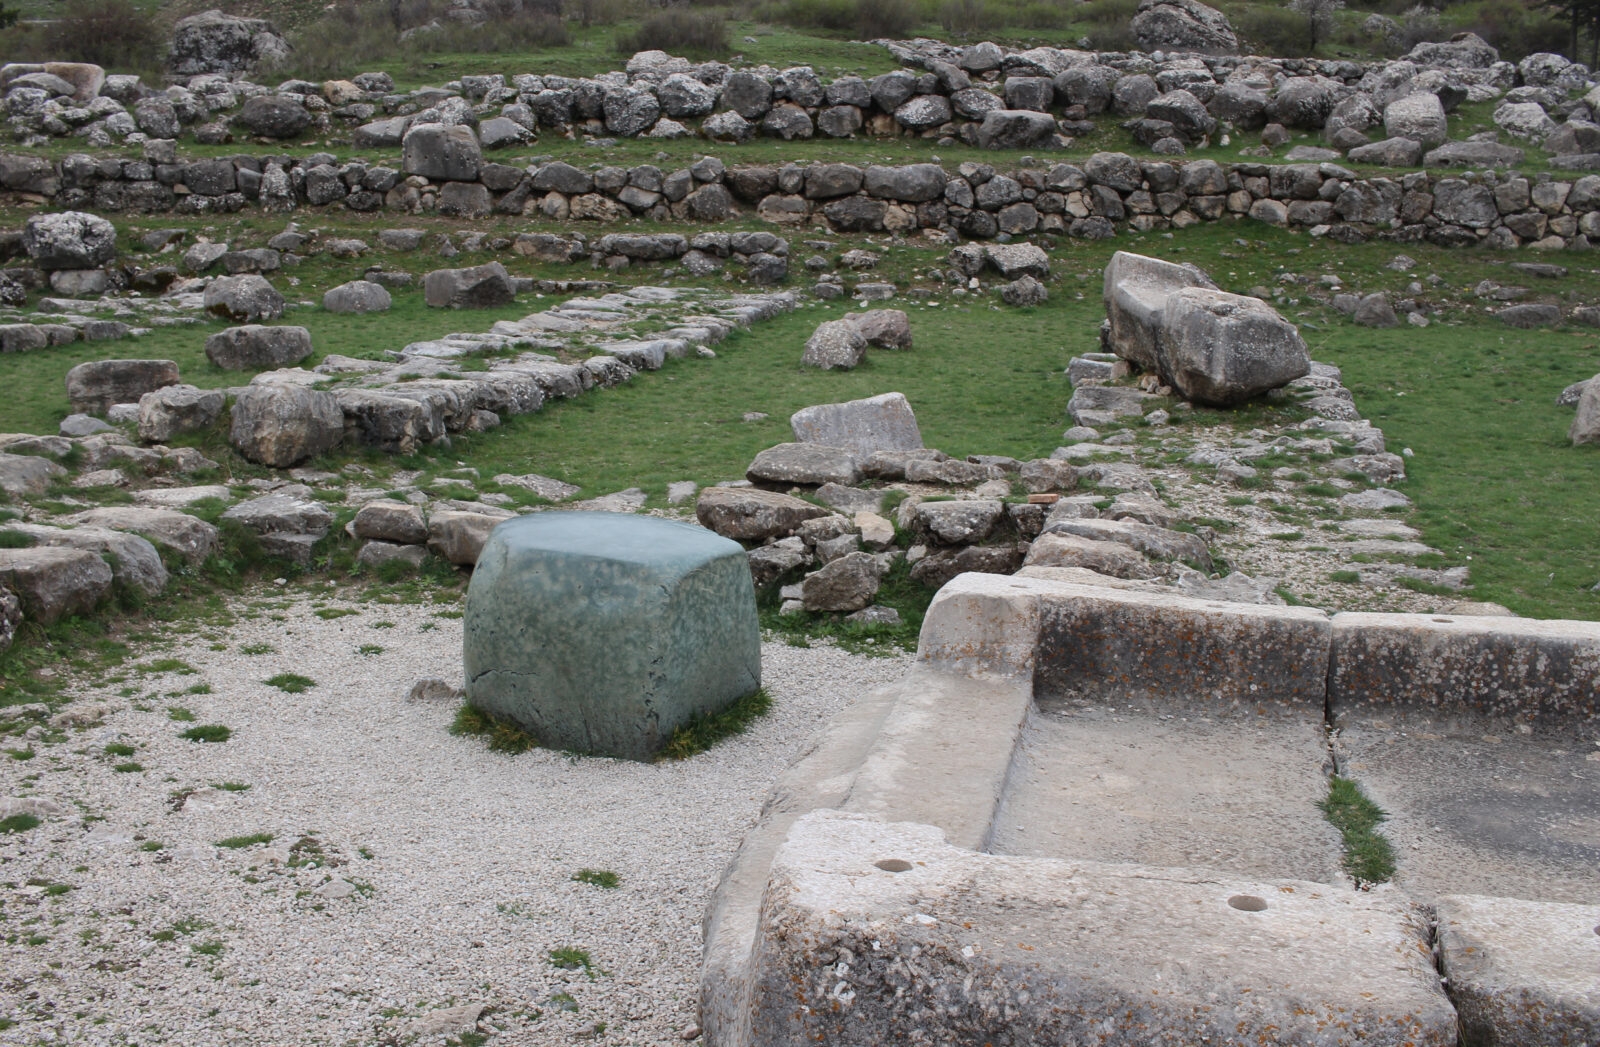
x: 1581, y: 16
x: 1319, y: 18
x: 8, y: 17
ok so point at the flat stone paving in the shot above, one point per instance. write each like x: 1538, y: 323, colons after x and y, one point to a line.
x: 1237, y: 794
x: 1481, y: 808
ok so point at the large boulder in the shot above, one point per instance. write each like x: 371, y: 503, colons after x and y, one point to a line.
x: 69, y: 240
x: 441, y: 152
x: 1183, y: 25
x: 810, y: 464
x: 1586, y: 426
x: 244, y: 299
x: 134, y: 562
x: 836, y: 345
x: 94, y: 386
x: 1016, y: 129
x: 282, y: 425
x: 877, y: 423
x: 1222, y: 349
x: 213, y: 42
x: 23, y: 475
x: 188, y: 536
x: 749, y: 514
x: 458, y: 536
x: 54, y: 582
x: 357, y: 296
x: 254, y: 347
x: 846, y: 584
x: 479, y: 287
x: 1135, y: 292
x: 682, y: 597
x: 175, y: 409
x: 1419, y: 117
x: 884, y: 328
x: 273, y: 116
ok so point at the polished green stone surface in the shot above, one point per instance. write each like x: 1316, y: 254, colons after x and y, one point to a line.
x: 602, y: 632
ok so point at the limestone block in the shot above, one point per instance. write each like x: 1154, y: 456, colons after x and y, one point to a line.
x: 1525, y: 668
x: 1120, y: 645
x: 872, y: 931
x: 1522, y: 973
x: 54, y: 582
x: 601, y: 632
x: 1222, y: 349
x: 877, y: 423
x: 1135, y: 293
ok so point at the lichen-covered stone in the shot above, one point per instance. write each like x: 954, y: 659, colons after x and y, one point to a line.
x: 602, y: 632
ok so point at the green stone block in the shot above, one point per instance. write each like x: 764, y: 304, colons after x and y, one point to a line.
x: 602, y: 632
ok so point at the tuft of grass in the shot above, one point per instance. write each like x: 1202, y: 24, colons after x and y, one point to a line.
x: 236, y: 842
x: 128, y: 767
x: 213, y: 947
x: 168, y: 665
x: 208, y: 732
x: 1368, y: 856
x: 18, y: 823
x: 1344, y: 577
x: 499, y: 735
x: 231, y: 787
x: 119, y: 749
x: 180, y: 714
x: 572, y: 958
x: 290, y: 683
x: 598, y: 877
x: 702, y: 732
x: 257, y: 648
x: 152, y: 845
x: 328, y: 614
x: 369, y: 649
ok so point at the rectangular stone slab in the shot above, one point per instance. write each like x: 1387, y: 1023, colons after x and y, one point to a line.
x: 603, y: 632
x: 1121, y: 645
x: 882, y: 933
x: 1522, y: 668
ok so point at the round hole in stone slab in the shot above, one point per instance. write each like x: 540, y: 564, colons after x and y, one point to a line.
x: 893, y: 865
x: 1247, y: 903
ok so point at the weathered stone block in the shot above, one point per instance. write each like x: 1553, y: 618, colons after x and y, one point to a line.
x: 640, y: 624
x: 1524, y: 668
x: 877, y: 423
x: 1118, y: 645
x: 871, y: 931
x: 1521, y: 973
x: 1136, y: 291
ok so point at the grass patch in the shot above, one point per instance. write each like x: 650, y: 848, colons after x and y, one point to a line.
x: 119, y: 749
x: 18, y: 823
x: 168, y: 665
x: 237, y: 842
x: 1344, y: 577
x: 208, y: 732
x: 231, y: 787
x: 702, y: 732
x: 257, y: 648
x: 1368, y: 857
x: 571, y: 958
x: 328, y: 614
x: 152, y: 846
x: 598, y: 878
x: 499, y: 735
x: 128, y: 768
x: 290, y: 683
x: 180, y: 714
x: 369, y: 649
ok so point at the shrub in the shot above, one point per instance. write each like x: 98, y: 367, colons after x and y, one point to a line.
x: 965, y: 18
x: 1108, y: 22
x: 678, y: 31
x: 527, y: 31
x: 1519, y: 31
x: 1419, y: 25
x: 350, y: 38
x: 112, y: 33
x: 864, y: 19
x: 1273, y: 31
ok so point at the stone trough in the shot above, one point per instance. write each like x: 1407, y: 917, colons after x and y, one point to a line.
x: 1088, y: 815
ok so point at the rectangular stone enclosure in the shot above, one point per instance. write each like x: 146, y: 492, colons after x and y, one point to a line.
x: 603, y: 632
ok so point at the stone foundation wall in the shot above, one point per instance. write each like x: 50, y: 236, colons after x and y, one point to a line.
x: 1090, y: 200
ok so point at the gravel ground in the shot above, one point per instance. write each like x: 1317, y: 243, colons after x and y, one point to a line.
x: 445, y: 872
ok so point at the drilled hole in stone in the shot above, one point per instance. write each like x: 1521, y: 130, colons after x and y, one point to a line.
x: 893, y: 865
x: 1443, y: 621
x: 1247, y: 903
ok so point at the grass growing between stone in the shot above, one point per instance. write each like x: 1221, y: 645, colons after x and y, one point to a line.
x: 702, y: 732
x: 1368, y: 856
x: 499, y: 735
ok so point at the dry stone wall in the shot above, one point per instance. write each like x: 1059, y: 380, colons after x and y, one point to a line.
x: 1092, y: 199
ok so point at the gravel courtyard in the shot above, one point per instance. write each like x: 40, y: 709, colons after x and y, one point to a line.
x: 411, y: 877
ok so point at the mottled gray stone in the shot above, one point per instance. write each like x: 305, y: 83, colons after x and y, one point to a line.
x: 643, y: 623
